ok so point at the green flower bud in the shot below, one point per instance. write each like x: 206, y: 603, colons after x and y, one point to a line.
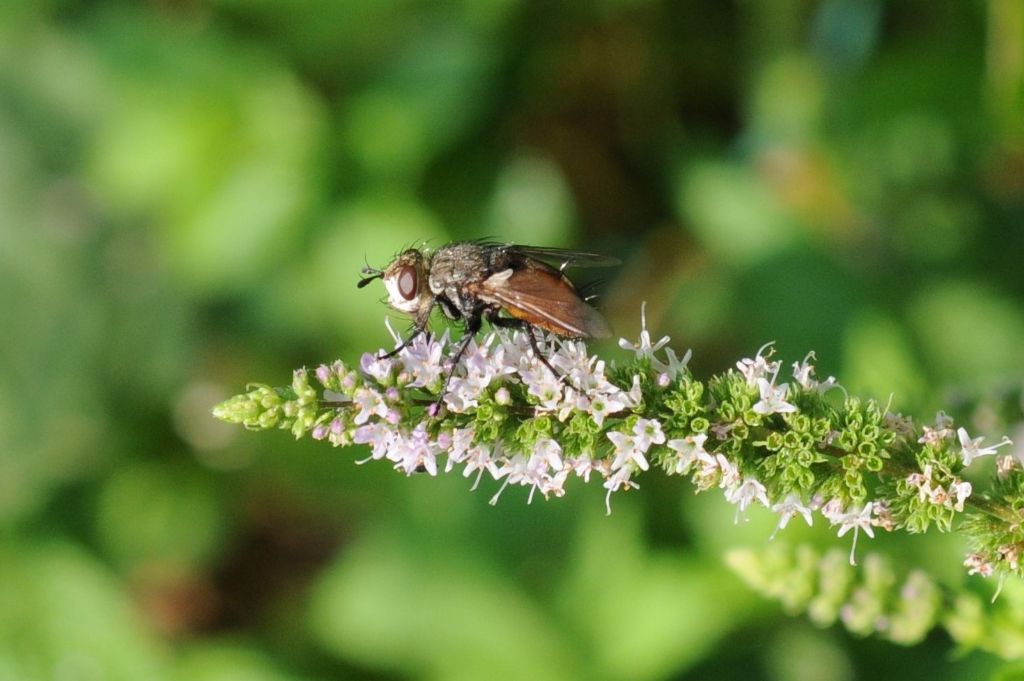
x: 268, y: 419
x: 846, y: 441
x: 238, y: 409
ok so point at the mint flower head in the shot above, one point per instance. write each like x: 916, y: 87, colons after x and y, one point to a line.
x: 788, y: 445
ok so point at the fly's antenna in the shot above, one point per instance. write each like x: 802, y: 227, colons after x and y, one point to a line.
x: 369, y: 274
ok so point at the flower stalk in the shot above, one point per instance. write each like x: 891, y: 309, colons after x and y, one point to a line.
x: 801, y: 447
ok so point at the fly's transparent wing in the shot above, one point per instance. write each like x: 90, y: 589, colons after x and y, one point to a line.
x: 563, y: 258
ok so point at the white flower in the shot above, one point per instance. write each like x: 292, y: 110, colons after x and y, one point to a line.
x: 592, y: 392
x: 478, y: 365
x: 828, y: 384
x: 582, y: 466
x: 378, y: 435
x: 943, y: 429
x: 721, y: 430
x: 972, y: 449
x: 420, y: 453
x: 709, y: 474
x: 690, y: 449
x: 512, y: 353
x: 480, y: 459
x: 626, y: 450
x: 422, y: 359
x: 855, y: 519
x: 833, y: 510
x: 673, y: 365
x: 789, y: 507
x: 377, y: 368
x: 415, y: 452
x: 542, y: 470
x: 634, y: 396
x: 477, y: 368
x: 931, y: 491
x: 545, y: 460
x: 746, y: 493
x: 619, y: 478
x: 461, y: 395
x: 1009, y: 553
x: 803, y: 373
x: 923, y: 482
x: 459, y: 447
x: 899, y: 424
x: 514, y: 471
x: 601, y: 405
x: 977, y: 565
x: 370, y: 403
x: 773, y: 398
x: 549, y: 452
x: 503, y: 356
x: 555, y: 484
x: 759, y: 367
x: 578, y: 368
x: 644, y: 348
x: 647, y: 432
x: 572, y: 401
x: 959, y: 492
x: 730, y: 473
x: 543, y: 385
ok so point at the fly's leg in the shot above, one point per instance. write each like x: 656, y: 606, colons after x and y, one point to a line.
x: 419, y: 326
x: 406, y: 343
x: 473, y: 323
x: 522, y: 325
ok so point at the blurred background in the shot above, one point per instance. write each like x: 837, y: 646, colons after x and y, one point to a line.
x: 188, y: 189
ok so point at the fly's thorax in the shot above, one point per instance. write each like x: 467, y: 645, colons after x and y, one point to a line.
x: 406, y: 281
x: 458, y: 263
x: 453, y: 268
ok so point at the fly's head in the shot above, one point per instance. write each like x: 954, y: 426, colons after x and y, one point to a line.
x: 405, y: 280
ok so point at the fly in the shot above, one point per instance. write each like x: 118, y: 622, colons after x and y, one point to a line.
x: 509, y: 285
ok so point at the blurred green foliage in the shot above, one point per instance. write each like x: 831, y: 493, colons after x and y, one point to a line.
x: 188, y: 189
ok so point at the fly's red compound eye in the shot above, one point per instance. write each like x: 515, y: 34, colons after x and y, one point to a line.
x: 407, y: 283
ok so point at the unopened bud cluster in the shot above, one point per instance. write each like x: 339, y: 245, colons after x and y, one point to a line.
x: 869, y: 600
x: 261, y: 407
x: 874, y: 599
